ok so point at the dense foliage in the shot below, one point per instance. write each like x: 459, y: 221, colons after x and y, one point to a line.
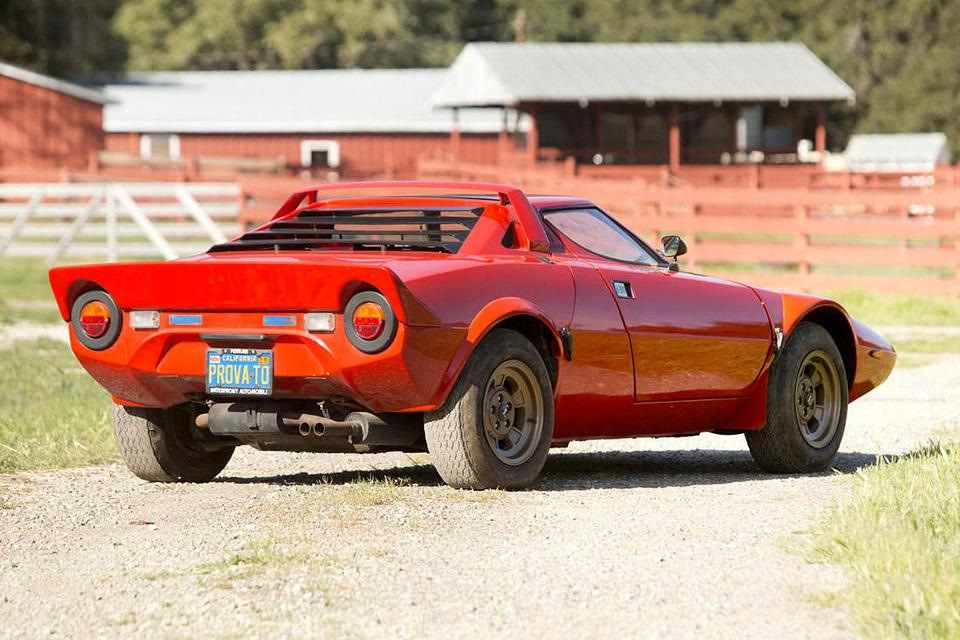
x: 902, y: 56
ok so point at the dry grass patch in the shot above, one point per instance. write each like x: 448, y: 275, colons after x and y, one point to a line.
x: 375, y: 491
x: 255, y: 558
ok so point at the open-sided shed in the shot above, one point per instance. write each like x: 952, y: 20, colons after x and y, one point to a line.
x: 652, y: 103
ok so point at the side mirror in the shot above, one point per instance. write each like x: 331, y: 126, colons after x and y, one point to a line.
x: 673, y: 247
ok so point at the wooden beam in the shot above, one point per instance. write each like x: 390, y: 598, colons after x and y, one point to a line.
x: 533, y: 138
x: 503, y: 138
x: 675, y: 139
x: 821, y: 136
x: 455, y: 135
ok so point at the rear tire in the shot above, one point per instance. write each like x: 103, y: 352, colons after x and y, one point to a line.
x: 807, y: 396
x: 494, y: 429
x: 159, y: 445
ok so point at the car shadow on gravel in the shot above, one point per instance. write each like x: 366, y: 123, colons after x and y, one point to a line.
x: 609, y: 469
x: 414, y: 474
x: 633, y: 469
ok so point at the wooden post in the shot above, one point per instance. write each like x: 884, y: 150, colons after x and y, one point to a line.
x: 455, y: 136
x: 821, y: 136
x: 801, y: 242
x: 675, y: 139
x: 956, y: 249
x: 503, y: 140
x: 533, y: 139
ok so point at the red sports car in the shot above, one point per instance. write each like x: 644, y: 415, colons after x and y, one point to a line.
x: 463, y: 319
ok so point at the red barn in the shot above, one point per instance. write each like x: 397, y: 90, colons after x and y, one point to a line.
x: 47, y: 123
x: 353, y: 123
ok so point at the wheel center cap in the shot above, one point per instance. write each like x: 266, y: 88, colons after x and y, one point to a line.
x: 501, y: 413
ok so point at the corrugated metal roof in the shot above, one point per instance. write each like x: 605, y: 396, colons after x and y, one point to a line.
x: 897, y: 151
x: 320, y: 101
x: 489, y: 74
x: 53, y: 84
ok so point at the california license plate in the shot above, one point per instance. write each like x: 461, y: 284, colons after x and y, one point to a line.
x: 240, y: 372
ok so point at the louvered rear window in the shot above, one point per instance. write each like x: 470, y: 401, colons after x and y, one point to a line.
x: 401, y: 228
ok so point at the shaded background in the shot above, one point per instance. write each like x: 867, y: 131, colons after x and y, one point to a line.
x: 902, y: 57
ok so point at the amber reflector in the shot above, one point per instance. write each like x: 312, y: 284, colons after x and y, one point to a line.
x: 95, y: 319
x: 369, y: 320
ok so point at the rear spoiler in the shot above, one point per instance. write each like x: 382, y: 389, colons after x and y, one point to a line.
x: 529, y: 229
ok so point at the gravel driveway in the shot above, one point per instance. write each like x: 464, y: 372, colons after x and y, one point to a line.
x: 639, y: 538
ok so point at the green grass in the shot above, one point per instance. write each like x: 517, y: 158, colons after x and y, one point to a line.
x: 255, y: 558
x: 912, y: 360
x: 928, y: 344
x: 52, y: 414
x: 898, y: 536
x: 884, y: 309
x: 372, y: 491
x: 25, y: 293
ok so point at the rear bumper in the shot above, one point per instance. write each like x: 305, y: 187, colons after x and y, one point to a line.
x: 165, y: 367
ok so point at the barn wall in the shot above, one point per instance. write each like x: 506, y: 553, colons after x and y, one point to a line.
x: 361, y: 154
x: 44, y: 128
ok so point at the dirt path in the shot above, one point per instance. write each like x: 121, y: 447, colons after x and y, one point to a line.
x: 641, y: 538
x: 31, y: 331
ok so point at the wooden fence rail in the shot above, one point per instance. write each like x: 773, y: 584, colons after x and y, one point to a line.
x: 896, y: 239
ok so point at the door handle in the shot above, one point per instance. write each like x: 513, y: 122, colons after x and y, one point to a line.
x: 622, y: 289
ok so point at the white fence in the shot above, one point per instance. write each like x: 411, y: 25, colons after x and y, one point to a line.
x: 115, y: 220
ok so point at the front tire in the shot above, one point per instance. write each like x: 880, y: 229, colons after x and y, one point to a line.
x: 807, y: 396
x: 159, y: 445
x: 494, y: 429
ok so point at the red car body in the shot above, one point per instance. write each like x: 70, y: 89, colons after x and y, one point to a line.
x: 686, y: 353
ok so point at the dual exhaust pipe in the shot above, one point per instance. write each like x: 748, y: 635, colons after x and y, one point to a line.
x: 269, y: 419
x: 311, y: 425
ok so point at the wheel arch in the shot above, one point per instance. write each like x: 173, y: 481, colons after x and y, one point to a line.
x: 519, y: 315
x: 543, y: 337
x: 835, y: 321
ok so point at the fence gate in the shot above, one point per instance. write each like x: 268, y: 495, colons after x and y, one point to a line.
x: 116, y: 220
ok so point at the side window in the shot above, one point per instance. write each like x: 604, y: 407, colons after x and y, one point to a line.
x: 596, y: 232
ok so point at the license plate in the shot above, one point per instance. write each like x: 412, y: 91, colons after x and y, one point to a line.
x: 240, y: 372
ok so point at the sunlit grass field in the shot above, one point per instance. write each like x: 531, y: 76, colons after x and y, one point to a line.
x: 25, y: 294
x: 898, y: 537
x: 52, y: 414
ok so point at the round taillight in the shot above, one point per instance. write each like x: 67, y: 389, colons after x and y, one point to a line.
x: 95, y: 319
x: 369, y: 320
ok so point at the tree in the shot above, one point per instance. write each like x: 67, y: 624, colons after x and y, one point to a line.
x: 66, y: 38
x: 901, y: 56
x: 303, y: 34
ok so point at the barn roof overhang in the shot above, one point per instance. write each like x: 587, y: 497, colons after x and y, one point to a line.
x: 514, y: 75
x: 324, y: 101
x: 53, y: 84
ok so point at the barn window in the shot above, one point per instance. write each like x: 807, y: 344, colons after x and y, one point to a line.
x: 162, y: 146
x: 319, y: 154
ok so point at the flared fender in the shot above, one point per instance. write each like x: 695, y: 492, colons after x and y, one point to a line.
x: 868, y: 355
x: 786, y: 311
x: 493, y: 314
